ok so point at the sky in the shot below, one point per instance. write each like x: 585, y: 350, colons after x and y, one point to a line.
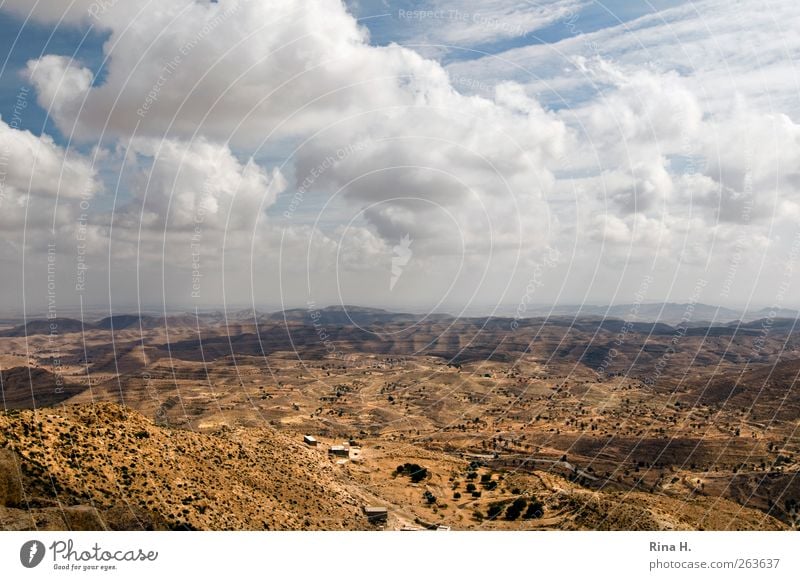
x: 462, y: 156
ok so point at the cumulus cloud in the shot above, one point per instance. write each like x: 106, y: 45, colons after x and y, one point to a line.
x: 44, y: 191
x: 631, y: 239
x: 191, y: 197
x: 478, y: 165
x: 181, y: 184
x: 256, y: 73
x: 61, y: 86
x: 645, y: 188
x: 37, y: 166
x: 200, y: 100
x: 232, y: 69
x: 657, y: 146
x: 752, y: 159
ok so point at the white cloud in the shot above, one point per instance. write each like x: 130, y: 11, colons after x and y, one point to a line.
x: 470, y: 23
x: 257, y: 73
x: 473, y: 167
x: 61, y: 86
x: 719, y: 48
x: 36, y: 166
x: 658, y: 144
x: 676, y: 126
x: 233, y: 69
x: 180, y: 185
x: 646, y: 188
x: 752, y: 157
x: 632, y: 238
x: 45, y: 190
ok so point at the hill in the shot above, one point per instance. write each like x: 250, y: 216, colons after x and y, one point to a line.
x: 341, y: 316
x: 29, y: 387
x: 106, y: 459
x: 103, y: 466
x: 47, y: 326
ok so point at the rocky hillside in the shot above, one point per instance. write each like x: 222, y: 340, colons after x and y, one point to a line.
x: 103, y: 466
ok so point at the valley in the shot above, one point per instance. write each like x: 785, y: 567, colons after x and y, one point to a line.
x: 595, y: 423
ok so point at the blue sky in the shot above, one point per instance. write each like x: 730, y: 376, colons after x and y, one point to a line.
x: 382, y: 19
x: 21, y: 41
x: 631, y: 139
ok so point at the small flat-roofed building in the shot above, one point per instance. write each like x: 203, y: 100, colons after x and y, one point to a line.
x: 339, y: 451
x: 376, y: 514
x: 309, y: 440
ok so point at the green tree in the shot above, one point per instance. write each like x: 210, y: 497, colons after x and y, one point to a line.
x: 535, y: 510
x: 494, y: 511
x: 419, y: 474
x: 515, y: 509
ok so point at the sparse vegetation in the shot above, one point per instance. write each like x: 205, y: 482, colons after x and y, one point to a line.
x: 515, y: 509
x: 534, y: 510
x: 497, y: 447
x: 415, y: 472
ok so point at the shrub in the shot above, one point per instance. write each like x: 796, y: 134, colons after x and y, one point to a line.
x: 419, y: 474
x: 535, y: 510
x: 416, y: 472
x: 515, y: 509
x: 494, y: 511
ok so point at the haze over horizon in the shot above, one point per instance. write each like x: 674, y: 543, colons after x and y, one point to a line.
x: 455, y: 156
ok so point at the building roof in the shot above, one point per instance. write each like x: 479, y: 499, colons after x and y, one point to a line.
x: 371, y: 509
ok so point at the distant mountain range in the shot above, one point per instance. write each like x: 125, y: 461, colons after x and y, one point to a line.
x: 669, y: 313
x: 672, y: 313
x: 349, y: 315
